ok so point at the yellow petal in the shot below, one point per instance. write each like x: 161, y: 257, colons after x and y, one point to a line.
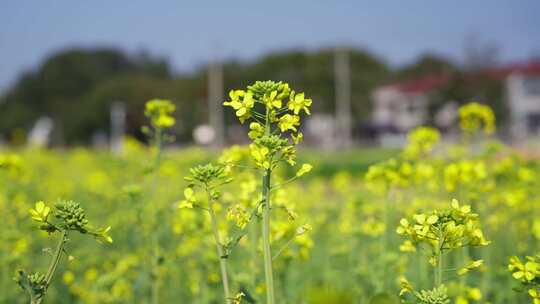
x: 432, y: 219
x: 188, y: 193
x: 40, y: 206
x: 455, y: 204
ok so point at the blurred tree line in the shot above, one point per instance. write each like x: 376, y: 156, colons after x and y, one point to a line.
x: 77, y: 87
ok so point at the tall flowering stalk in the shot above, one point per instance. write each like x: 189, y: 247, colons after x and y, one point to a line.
x: 66, y: 217
x: 208, y: 178
x: 274, y: 131
x: 441, y: 231
x: 159, y: 112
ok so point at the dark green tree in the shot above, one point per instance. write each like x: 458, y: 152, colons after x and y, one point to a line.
x: 56, y: 87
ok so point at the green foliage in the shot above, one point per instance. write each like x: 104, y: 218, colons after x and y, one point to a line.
x: 437, y: 295
x: 325, y: 295
x: 426, y: 64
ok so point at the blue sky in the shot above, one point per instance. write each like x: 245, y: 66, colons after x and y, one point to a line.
x: 189, y: 33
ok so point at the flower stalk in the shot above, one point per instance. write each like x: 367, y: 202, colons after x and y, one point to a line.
x: 439, y: 268
x: 268, y: 273
x: 441, y: 231
x: 160, y: 113
x: 155, y: 236
x: 208, y: 178
x: 55, y: 260
x: 69, y: 216
x: 219, y: 249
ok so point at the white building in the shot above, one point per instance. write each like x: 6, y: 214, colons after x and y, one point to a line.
x: 523, y: 93
x: 399, y: 107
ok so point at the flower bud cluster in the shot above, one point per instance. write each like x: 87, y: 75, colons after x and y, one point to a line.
x: 71, y: 215
x: 67, y: 216
x: 421, y: 142
x: 205, y: 174
x: 280, y: 116
x: 34, y: 284
x: 159, y: 111
x: 475, y: 117
x: 437, y: 295
x: 444, y: 230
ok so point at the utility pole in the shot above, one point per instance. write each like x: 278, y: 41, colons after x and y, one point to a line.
x: 118, y: 126
x: 342, y: 74
x: 215, y: 100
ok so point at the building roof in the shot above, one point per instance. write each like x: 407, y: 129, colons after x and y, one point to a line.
x: 531, y: 68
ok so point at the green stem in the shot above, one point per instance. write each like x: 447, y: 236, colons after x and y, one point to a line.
x: 253, y: 229
x: 155, y: 269
x: 385, y: 241
x: 155, y: 237
x: 5, y: 259
x: 269, y: 278
x: 54, y: 262
x: 56, y: 258
x: 219, y: 249
x: 439, y: 269
x: 284, y: 247
x: 268, y: 274
x: 158, y: 144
